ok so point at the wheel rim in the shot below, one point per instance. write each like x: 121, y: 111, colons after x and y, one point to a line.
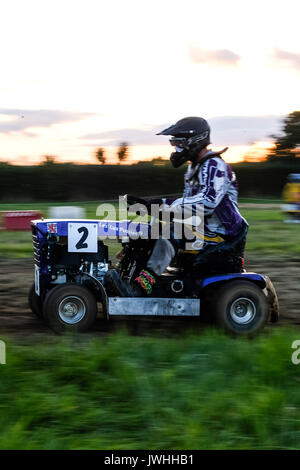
x: 242, y: 311
x: 71, y: 310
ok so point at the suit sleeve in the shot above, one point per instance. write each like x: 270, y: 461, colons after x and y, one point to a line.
x: 213, y: 185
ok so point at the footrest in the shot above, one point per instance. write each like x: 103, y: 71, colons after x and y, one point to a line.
x: 154, y: 306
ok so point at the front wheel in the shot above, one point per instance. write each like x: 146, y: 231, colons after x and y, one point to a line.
x: 241, y: 308
x: 35, y: 302
x: 70, y: 307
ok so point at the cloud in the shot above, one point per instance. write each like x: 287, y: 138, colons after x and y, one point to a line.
x: 220, y: 57
x: 17, y: 120
x: 290, y: 58
x: 243, y: 130
x: 226, y: 130
x: 133, y: 136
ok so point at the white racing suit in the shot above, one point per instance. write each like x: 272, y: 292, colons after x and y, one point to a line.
x: 212, y: 184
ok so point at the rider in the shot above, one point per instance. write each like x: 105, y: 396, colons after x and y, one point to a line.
x: 209, y: 181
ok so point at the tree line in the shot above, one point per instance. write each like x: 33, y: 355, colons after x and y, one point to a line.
x: 122, y: 153
x: 287, y: 143
x: 68, y: 182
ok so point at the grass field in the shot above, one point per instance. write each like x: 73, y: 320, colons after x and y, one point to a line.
x: 201, y: 391
x: 267, y: 232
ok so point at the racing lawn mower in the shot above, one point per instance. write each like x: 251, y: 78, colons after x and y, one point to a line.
x: 71, y: 261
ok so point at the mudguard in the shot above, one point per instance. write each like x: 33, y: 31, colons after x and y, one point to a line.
x: 101, y: 291
x: 258, y: 279
x: 272, y: 301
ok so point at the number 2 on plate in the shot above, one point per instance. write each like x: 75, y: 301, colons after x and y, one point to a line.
x: 82, y: 237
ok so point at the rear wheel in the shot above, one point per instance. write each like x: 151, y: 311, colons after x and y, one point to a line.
x: 35, y: 302
x: 241, y: 308
x: 70, y: 307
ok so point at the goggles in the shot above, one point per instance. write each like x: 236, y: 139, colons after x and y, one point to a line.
x: 185, y: 142
x: 179, y: 142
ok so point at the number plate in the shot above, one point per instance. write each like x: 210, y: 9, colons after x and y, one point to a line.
x: 82, y: 238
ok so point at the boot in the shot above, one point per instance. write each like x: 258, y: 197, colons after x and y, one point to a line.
x: 121, y: 288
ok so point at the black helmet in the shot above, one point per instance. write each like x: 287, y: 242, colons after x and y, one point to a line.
x: 190, y: 135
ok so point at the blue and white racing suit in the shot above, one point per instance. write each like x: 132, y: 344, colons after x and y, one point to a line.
x: 210, y: 183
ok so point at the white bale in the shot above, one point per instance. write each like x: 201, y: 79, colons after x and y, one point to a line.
x: 66, y: 212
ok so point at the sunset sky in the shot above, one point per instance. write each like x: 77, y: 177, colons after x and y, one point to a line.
x: 81, y: 74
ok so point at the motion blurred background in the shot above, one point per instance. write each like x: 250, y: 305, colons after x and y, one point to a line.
x: 84, y: 88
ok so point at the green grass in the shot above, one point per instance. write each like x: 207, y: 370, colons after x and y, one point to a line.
x: 198, y: 391
x: 15, y: 244
x: 269, y: 234
x: 252, y: 200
